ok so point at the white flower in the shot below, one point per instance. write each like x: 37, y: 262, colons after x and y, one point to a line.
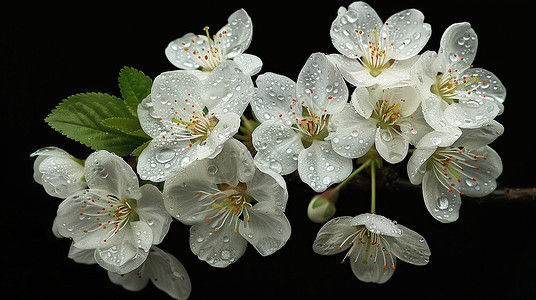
x: 375, y: 243
x: 455, y: 93
x: 163, y: 269
x: 294, y: 123
x: 390, y: 119
x: 59, y: 172
x: 229, y: 202
x: 189, y: 120
x: 374, y: 52
x: 194, y: 52
x: 114, y: 216
x: 448, y: 166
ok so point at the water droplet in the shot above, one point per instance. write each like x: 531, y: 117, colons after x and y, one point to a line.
x: 164, y: 155
x: 276, y: 166
x: 326, y: 180
x: 200, y: 239
x: 442, y: 202
x: 212, y: 169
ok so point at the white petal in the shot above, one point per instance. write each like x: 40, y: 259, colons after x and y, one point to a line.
x: 321, y: 86
x: 392, y: 146
x: 433, y: 109
x: 58, y: 172
x: 443, y: 205
x: 479, y: 177
x: 234, y: 164
x: 168, y: 274
x: 151, y: 210
x: 458, y: 46
x: 109, y: 172
x: 267, y: 232
x: 335, y: 236
x: 82, y: 256
x: 236, y: 35
x: 364, y: 101
x: 353, y: 71
x: 127, y: 250
x: 319, y: 166
x: 269, y: 190
x: 415, y: 127
x: 408, y: 33
x: 248, y: 63
x: 278, y: 146
x: 424, y: 72
x: 227, y: 126
x: 436, y: 139
x: 411, y: 247
x: 480, y: 137
x: 353, y: 136
x: 488, y: 88
x: 218, y: 248
x: 163, y: 156
x: 346, y: 28
x: 372, y: 263
x: 417, y: 164
x: 179, y: 52
x: 377, y: 224
x: 150, y: 124
x: 275, y: 97
x: 227, y: 90
x: 134, y: 280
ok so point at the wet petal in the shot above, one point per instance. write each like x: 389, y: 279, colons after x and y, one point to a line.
x: 392, y: 146
x: 168, y: 274
x: 319, y: 166
x: 488, y: 88
x: 278, y: 147
x: 335, y: 236
x: 236, y: 35
x: 483, y: 167
x: 151, y: 210
x: 458, y: 46
x: 417, y: 164
x: 227, y: 126
x: 354, y: 135
x: 443, y: 205
x: 163, y: 156
x: 275, y: 97
x: 371, y: 263
x: 179, y: 52
x: 408, y: 33
x: 411, y: 247
x: 377, y: 224
x: 269, y: 190
x: 248, y: 63
x: 266, y: 231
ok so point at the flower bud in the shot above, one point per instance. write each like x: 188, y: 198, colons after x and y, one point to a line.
x: 322, y: 207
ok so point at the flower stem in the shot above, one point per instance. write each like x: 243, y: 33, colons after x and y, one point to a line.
x: 354, y: 173
x: 372, y: 187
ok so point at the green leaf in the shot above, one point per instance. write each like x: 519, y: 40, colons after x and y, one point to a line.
x: 134, y: 87
x: 126, y: 125
x: 81, y: 118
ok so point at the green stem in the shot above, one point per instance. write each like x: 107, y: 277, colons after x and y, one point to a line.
x: 372, y: 187
x: 361, y: 168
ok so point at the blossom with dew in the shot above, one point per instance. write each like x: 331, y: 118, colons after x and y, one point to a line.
x: 114, y: 215
x: 190, y: 120
x: 163, y: 269
x: 390, y: 119
x: 373, y: 52
x: 200, y: 54
x: 229, y: 202
x: 449, y: 166
x: 58, y: 172
x: 374, y: 243
x: 454, y: 92
x: 295, y: 118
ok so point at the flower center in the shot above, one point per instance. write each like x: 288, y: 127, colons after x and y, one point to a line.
x: 196, y: 129
x: 112, y: 214
x: 375, y: 245
x: 208, y: 57
x: 376, y: 58
x: 449, y: 87
x: 311, y: 126
x: 449, y: 164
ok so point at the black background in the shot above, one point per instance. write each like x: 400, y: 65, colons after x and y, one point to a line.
x: 51, y: 52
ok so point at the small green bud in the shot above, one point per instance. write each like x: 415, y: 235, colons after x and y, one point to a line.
x: 322, y: 207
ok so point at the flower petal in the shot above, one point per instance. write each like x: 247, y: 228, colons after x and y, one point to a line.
x: 58, y: 172
x: 407, y: 32
x: 151, y: 210
x: 126, y: 250
x: 163, y: 156
x: 134, y: 280
x: 377, y: 224
x: 269, y: 190
x: 109, y: 172
x: 320, y: 86
x: 480, y: 137
x: 248, y: 63
x: 218, y: 248
x: 392, y: 146
x: 411, y: 247
x: 372, y: 264
x: 352, y: 70
x: 417, y: 164
x: 236, y: 35
x: 150, y: 124
x: 458, y: 46
x: 478, y: 178
x: 82, y: 256
x: 319, y: 166
x: 488, y: 88
x: 227, y: 126
x: 275, y: 97
x: 443, y: 205
x: 179, y: 52
x: 266, y: 231
x: 335, y: 236
x: 471, y: 113
x: 227, y: 90
x: 168, y: 274
x: 354, y: 135
x: 351, y: 29
x: 277, y: 145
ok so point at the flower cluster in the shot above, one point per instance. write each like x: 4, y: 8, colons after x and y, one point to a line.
x: 208, y: 165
